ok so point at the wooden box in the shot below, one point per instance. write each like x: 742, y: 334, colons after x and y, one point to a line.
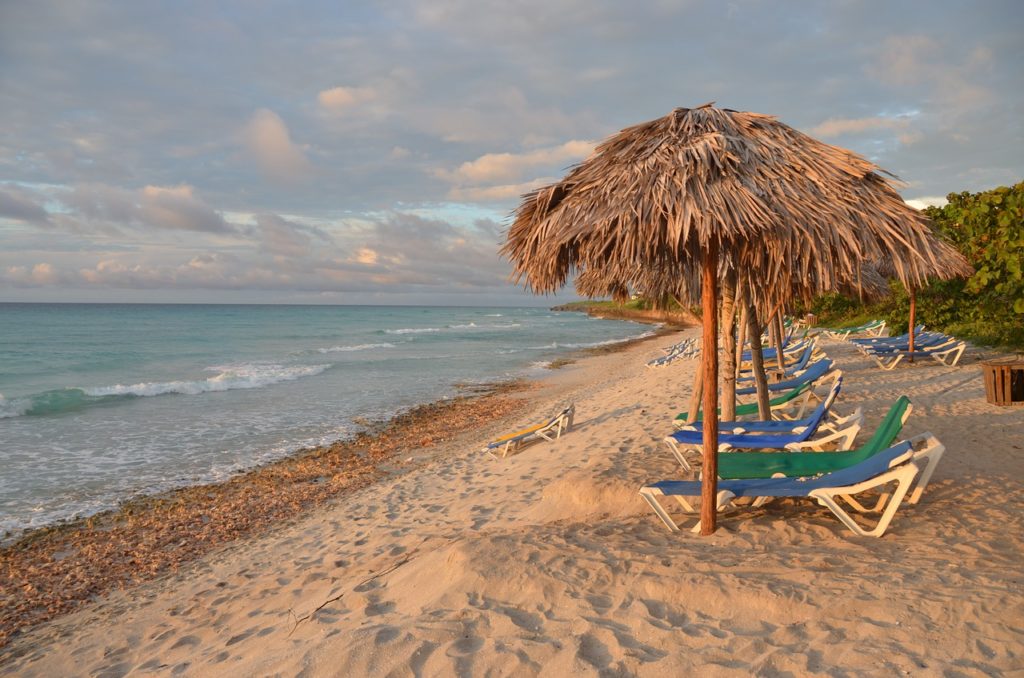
x: 1004, y: 381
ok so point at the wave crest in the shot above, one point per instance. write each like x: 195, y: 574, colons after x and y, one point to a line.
x: 228, y: 378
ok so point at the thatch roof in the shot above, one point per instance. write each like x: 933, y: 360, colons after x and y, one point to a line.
x: 796, y: 213
x: 949, y: 264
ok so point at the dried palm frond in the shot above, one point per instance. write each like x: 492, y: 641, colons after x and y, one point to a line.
x: 795, y: 214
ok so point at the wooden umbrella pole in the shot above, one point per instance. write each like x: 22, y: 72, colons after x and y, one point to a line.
x: 913, y: 313
x: 776, y: 341
x: 728, y: 332
x: 693, y: 413
x: 741, y: 304
x: 757, y: 357
x: 709, y: 350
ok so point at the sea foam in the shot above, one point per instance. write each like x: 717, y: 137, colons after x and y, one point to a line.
x: 357, y: 347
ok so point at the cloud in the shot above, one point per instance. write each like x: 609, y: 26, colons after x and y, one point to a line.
x: 949, y: 76
x: 337, y: 99
x: 392, y: 254
x: 927, y: 201
x: 283, y: 238
x: 834, y: 127
x: 268, y: 141
x: 98, y: 206
x: 493, y: 176
x: 497, y: 193
x: 40, y: 275
x: 20, y: 206
x: 503, y: 166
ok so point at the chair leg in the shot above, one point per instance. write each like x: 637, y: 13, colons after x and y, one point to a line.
x: 930, y: 458
x: 649, y: 496
x: 903, y: 475
x: 677, y: 453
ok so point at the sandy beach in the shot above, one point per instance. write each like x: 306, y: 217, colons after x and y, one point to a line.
x: 548, y: 562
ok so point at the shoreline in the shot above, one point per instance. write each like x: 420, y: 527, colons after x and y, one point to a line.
x: 674, y: 320
x: 55, y: 569
x: 548, y: 563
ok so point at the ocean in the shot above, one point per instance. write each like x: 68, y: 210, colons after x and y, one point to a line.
x: 102, y: 402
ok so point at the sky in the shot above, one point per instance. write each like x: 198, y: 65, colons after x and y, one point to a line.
x: 372, y: 152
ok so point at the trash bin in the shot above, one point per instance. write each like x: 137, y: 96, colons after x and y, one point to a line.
x: 1004, y: 380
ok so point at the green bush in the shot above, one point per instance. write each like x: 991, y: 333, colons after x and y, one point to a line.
x: 988, y: 228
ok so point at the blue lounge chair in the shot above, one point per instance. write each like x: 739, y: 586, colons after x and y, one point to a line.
x: 770, y: 353
x: 875, y: 341
x: 800, y: 365
x: 895, y: 464
x: 782, y: 426
x: 797, y: 438
x: 947, y: 354
x: 814, y: 371
x: 921, y: 341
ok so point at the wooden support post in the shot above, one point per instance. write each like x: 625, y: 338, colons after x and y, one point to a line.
x: 757, y: 357
x: 741, y: 304
x: 913, y: 313
x: 709, y: 350
x: 693, y: 413
x: 728, y: 332
x: 776, y: 341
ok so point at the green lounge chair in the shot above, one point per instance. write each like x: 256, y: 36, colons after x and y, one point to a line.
x: 897, y: 464
x: 796, y: 464
x: 777, y: 404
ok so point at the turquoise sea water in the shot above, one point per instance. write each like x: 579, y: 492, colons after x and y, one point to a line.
x: 99, y: 402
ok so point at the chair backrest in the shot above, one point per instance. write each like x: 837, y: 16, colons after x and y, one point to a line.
x: 813, y: 421
x: 804, y: 359
x: 790, y: 395
x: 874, y: 465
x: 889, y: 428
x: 814, y: 372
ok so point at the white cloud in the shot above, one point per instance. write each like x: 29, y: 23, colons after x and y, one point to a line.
x: 268, y: 141
x: 497, y: 193
x: 39, y: 275
x: 503, y: 166
x: 337, y: 99
x: 927, y: 201
x: 834, y: 127
x: 101, y: 207
x: 498, y: 176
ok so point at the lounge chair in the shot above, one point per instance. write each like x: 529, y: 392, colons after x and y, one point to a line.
x: 896, y: 464
x: 842, y: 433
x: 745, y: 465
x: 769, y: 353
x: 879, y: 341
x: 549, y: 430
x: 779, y: 406
x: 799, y: 366
x: 922, y: 342
x: 814, y: 371
x: 780, y: 426
x: 683, y: 349
x: 873, y: 328
x: 947, y: 354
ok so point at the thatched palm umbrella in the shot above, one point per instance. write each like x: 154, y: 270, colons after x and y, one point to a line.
x: 949, y: 264
x: 673, y: 193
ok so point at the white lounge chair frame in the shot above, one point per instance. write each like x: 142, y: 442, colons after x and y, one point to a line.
x: 550, y: 431
x: 902, y: 470
x: 871, y: 331
x: 945, y: 354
